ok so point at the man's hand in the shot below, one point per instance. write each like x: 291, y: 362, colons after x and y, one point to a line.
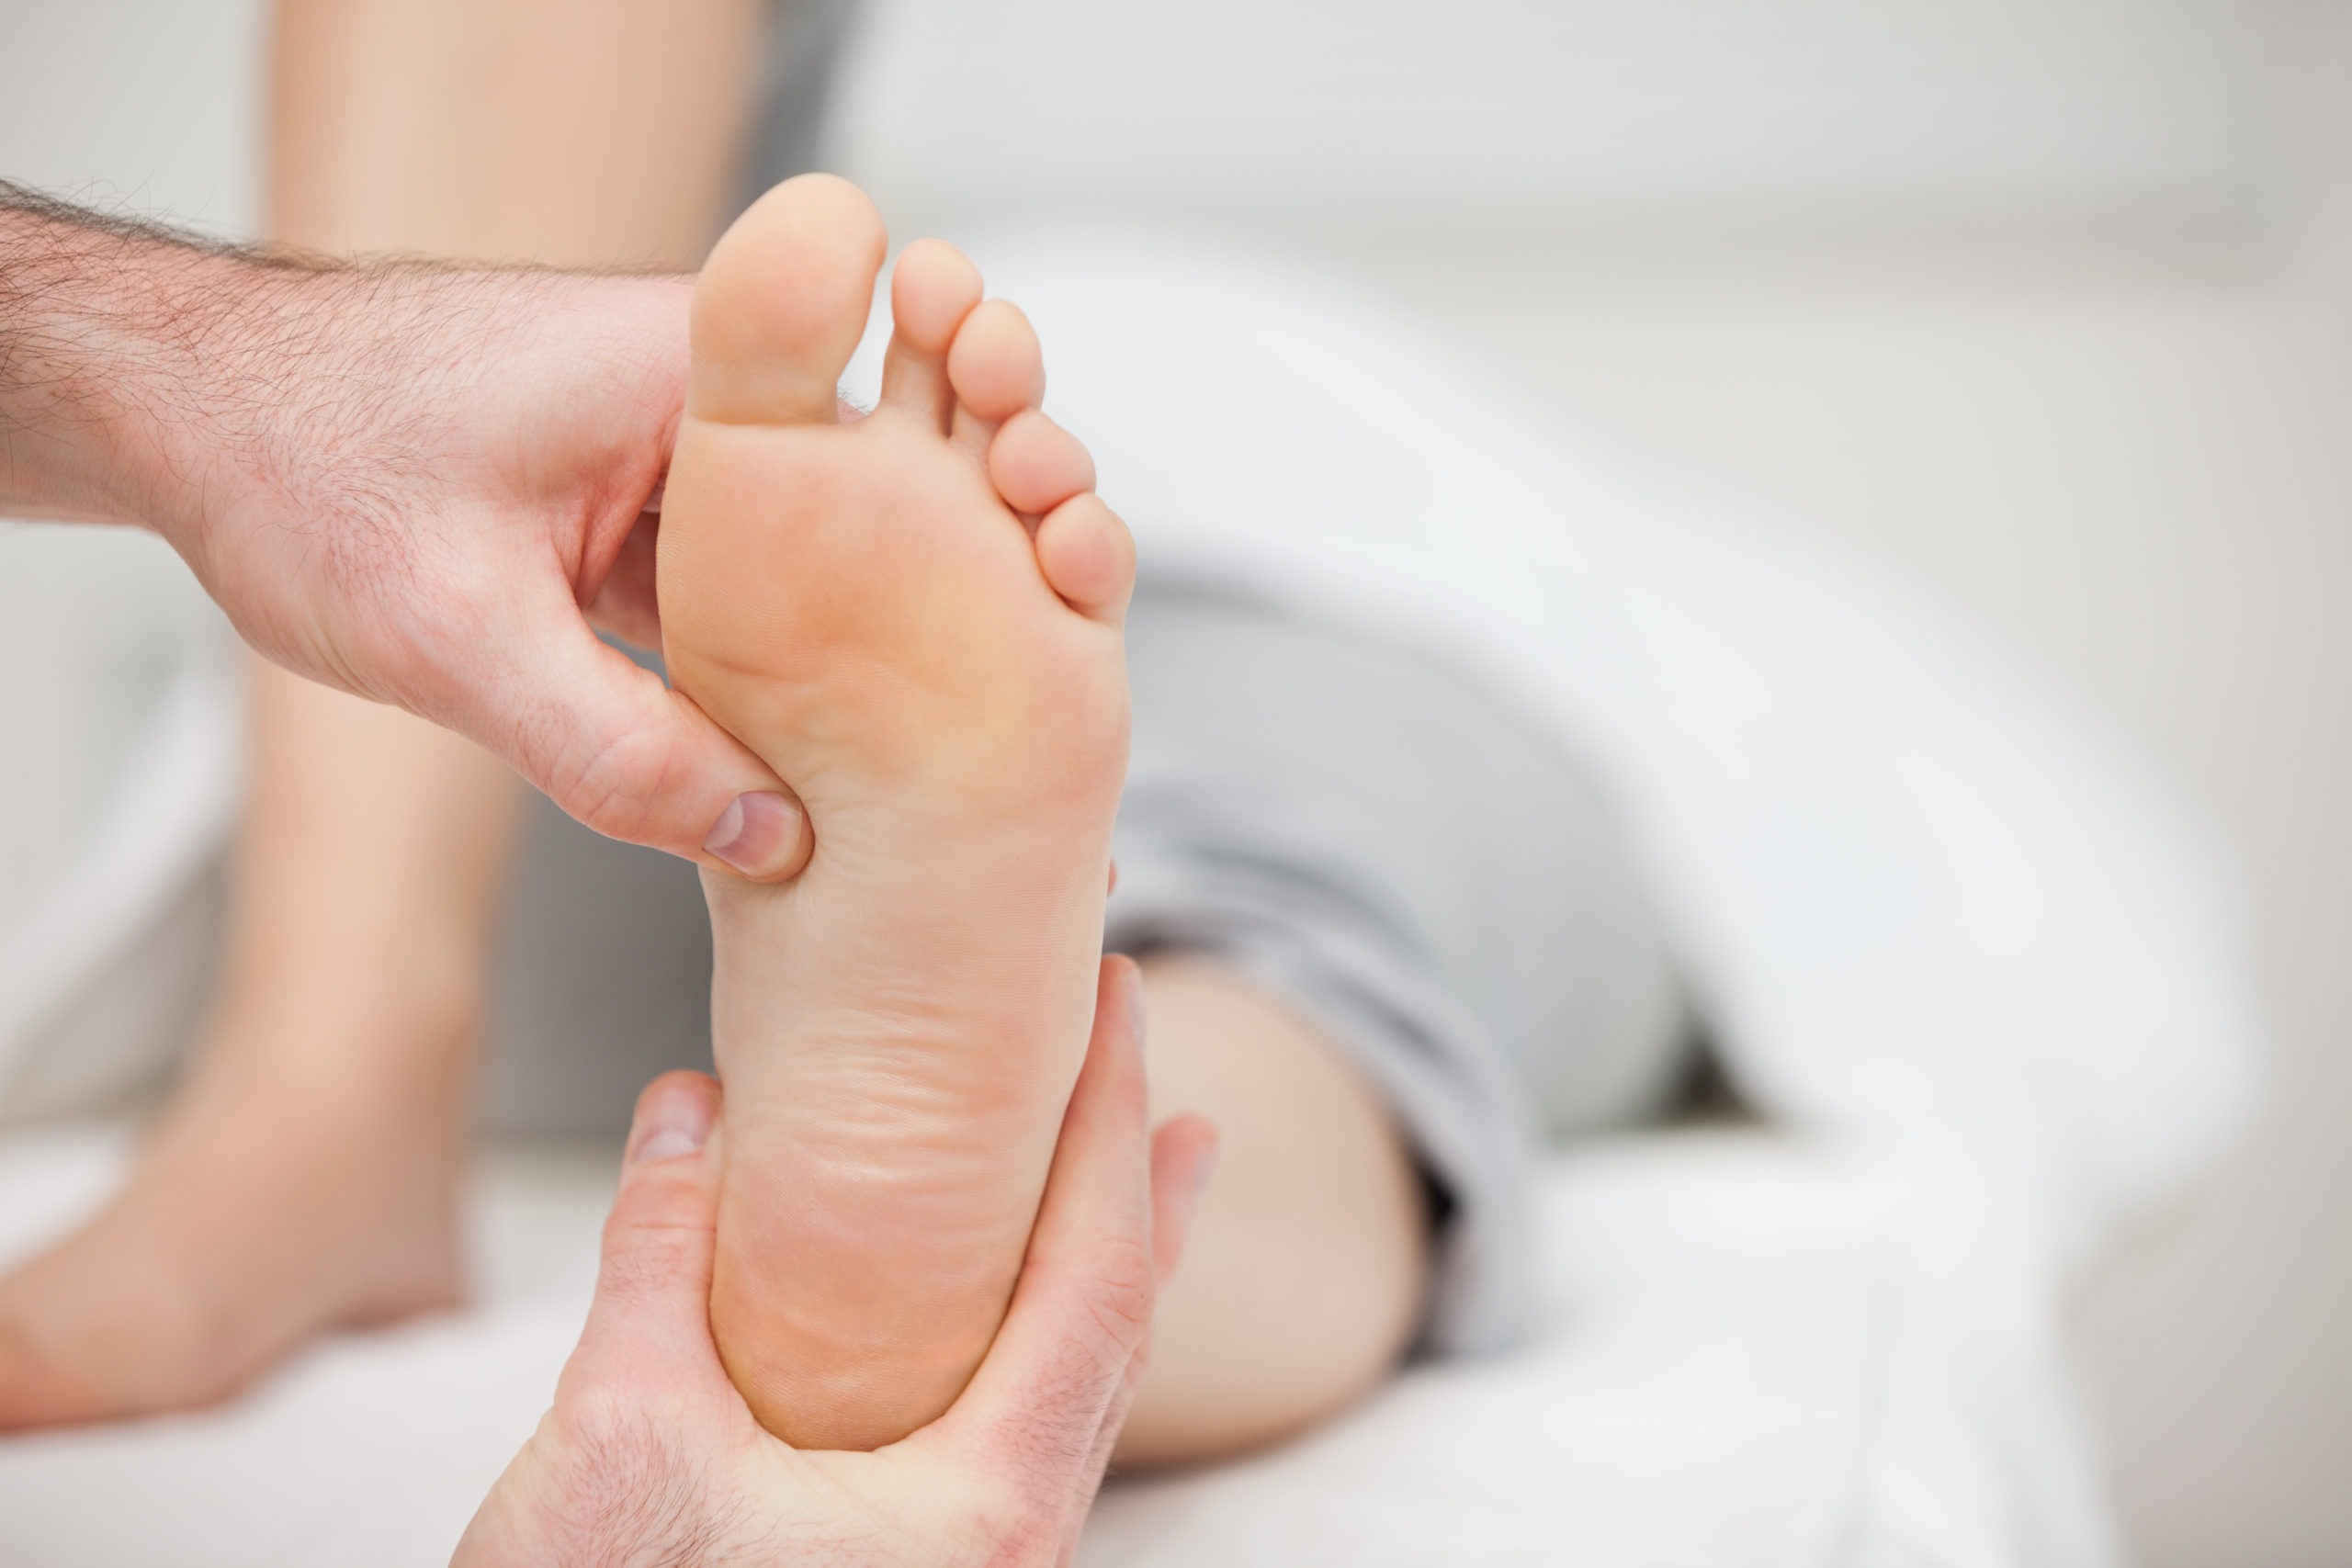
x: 422, y: 485
x: 649, y: 1456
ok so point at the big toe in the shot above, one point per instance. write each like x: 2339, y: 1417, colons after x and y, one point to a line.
x: 782, y: 302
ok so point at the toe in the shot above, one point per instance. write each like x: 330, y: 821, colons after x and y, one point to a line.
x: 782, y: 302
x: 997, y: 370
x: 932, y: 289
x: 1088, y: 555
x: 1036, y: 465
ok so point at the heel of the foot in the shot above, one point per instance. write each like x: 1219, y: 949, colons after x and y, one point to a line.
x: 828, y: 1386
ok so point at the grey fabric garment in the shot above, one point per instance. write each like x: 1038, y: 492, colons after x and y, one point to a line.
x: 602, y: 975
x: 805, y: 39
x: 1415, y: 870
x: 1377, y: 842
x: 603, y: 980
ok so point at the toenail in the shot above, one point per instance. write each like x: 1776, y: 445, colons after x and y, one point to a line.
x: 756, y: 835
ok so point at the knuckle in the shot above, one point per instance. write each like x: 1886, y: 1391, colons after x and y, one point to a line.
x: 636, y: 1269
x: 616, y: 783
x: 1017, y: 1531
x: 645, y: 1256
x: 1120, y: 1289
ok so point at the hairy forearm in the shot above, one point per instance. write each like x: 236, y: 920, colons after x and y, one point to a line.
x: 151, y: 378
x: 148, y: 377
x: 110, y: 330
x: 416, y: 482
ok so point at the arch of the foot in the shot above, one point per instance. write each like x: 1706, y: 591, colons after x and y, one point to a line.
x: 782, y: 302
x: 932, y: 289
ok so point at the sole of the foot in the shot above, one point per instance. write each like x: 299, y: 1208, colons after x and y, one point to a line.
x: 914, y: 617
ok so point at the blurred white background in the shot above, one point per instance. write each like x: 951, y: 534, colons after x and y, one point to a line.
x: 2043, y: 306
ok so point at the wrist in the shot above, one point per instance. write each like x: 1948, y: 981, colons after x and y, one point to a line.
x: 106, y: 332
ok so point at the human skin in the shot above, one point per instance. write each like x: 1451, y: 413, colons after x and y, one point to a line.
x: 1307, y: 1266
x: 897, y: 1027
x: 943, y: 684
x: 650, y: 1454
x: 417, y: 484
x: 377, y: 845
x: 307, y: 1175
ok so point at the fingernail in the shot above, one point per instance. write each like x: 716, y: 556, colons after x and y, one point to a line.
x: 1135, y: 1016
x: 756, y: 833
x: 1206, y: 1168
x: 674, y: 1124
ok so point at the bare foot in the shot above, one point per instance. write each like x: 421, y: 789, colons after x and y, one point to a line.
x: 915, y: 620
x: 244, y: 1232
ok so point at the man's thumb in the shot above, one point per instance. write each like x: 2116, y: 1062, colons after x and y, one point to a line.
x: 631, y: 757
x: 652, y: 1305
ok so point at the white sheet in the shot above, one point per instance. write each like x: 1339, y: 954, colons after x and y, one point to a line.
x: 1915, y: 901
x: 1753, y: 1353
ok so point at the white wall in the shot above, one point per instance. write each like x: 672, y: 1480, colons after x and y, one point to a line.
x: 137, y: 105
x: 2045, y: 305
x: 1564, y: 112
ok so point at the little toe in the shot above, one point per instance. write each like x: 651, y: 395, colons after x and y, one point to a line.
x: 1036, y: 465
x: 997, y: 370
x: 782, y: 302
x: 932, y: 289
x: 1088, y: 557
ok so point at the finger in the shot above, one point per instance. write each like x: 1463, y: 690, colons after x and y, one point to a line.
x: 1036, y: 1407
x: 1182, y: 1154
x: 621, y: 751
x: 624, y: 602
x: 1184, y: 1157
x: 650, y: 1324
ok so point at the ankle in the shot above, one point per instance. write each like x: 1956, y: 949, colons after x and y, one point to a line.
x: 346, y: 1050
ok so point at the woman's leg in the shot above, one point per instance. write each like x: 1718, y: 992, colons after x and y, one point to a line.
x: 1308, y: 1263
x: 1388, y: 936
x: 306, y: 1176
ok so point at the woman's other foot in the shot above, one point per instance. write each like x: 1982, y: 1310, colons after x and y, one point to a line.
x: 915, y: 619
x: 261, y: 1214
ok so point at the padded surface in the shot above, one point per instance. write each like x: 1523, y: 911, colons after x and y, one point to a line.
x: 1753, y: 1353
